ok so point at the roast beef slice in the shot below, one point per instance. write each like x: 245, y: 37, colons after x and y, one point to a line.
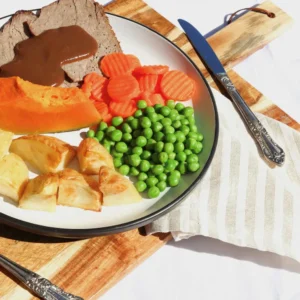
x: 13, y: 32
x: 91, y: 17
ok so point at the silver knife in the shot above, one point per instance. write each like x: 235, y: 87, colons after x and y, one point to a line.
x: 269, y: 148
x: 34, y: 282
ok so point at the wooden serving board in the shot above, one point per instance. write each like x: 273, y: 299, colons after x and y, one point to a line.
x: 88, y: 268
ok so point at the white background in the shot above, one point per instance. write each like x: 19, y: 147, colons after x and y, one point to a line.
x: 202, y: 268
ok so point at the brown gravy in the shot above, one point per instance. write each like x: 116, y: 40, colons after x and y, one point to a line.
x: 39, y: 59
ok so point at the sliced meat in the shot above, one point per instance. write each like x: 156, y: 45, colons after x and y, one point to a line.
x: 91, y: 17
x: 13, y: 32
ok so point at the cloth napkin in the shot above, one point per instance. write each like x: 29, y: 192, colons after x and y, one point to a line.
x: 241, y: 199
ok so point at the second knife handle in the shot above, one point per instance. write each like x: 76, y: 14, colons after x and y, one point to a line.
x: 269, y: 148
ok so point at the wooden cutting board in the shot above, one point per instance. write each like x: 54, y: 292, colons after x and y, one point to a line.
x: 88, y: 268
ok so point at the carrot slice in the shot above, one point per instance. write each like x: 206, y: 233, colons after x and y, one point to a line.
x: 116, y: 64
x: 95, y: 86
x: 102, y: 108
x: 148, y: 82
x: 122, y: 109
x: 123, y: 88
x: 155, y: 69
x: 177, y: 85
x: 155, y: 99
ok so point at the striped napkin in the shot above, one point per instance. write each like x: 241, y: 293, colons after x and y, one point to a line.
x: 241, y: 199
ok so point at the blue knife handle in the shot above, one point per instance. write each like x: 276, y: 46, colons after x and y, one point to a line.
x: 269, y: 148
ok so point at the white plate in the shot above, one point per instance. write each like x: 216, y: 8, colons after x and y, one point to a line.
x: 150, y: 48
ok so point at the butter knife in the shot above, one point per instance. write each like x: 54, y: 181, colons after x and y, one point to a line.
x: 38, y: 285
x: 268, y: 147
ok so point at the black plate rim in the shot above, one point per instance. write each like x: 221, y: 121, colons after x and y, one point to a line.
x: 88, y: 233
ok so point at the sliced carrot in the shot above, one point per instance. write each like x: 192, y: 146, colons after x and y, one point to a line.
x: 95, y: 86
x: 123, y: 88
x: 177, y: 85
x: 87, y: 88
x: 148, y: 82
x: 122, y: 109
x: 107, y: 118
x: 116, y: 64
x: 143, y: 96
x: 155, y: 99
x: 155, y: 69
x: 102, y: 108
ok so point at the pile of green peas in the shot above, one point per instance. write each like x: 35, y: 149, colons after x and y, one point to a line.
x: 157, y: 145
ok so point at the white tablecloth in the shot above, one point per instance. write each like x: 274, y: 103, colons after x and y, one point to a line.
x: 202, y: 268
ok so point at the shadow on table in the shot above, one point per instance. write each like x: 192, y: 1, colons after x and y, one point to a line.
x: 208, y: 245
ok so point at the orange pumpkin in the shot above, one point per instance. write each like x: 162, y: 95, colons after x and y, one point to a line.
x: 27, y: 108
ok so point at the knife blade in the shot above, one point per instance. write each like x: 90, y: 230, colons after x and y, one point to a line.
x: 271, y: 151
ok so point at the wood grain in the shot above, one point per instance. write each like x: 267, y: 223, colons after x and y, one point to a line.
x: 88, y: 268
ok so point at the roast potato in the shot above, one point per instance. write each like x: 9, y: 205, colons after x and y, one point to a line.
x: 5, y: 141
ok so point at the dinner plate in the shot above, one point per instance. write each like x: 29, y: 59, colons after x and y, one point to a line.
x: 151, y: 48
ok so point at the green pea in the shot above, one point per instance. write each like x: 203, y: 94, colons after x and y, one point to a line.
x: 134, y: 123
x: 159, y: 117
x: 141, y: 141
x: 127, y: 137
x: 100, y: 135
x: 134, y: 160
x: 124, y: 170
x: 193, y: 128
x: 184, y: 121
x: 169, y: 129
x: 179, y: 107
x: 163, y: 157
x: 190, y: 143
x: 118, y: 162
x: 116, y: 135
x: 148, y: 133
x: 116, y: 154
x: 169, y: 147
x: 173, y: 180
x: 188, y: 111
x: 176, y: 163
x: 140, y: 186
x: 170, y: 165
x: 178, y: 147
x: 157, y: 126
x: 191, y: 120
x: 145, y: 122
x: 110, y: 129
x: 170, y: 138
x: 162, y: 177
x: 151, y: 181
x: 149, y: 110
x: 137, y: 150
x: 121, y: 147
x: 138, y: 113
x: 176, y: 124
x: 181, y: 156
x: 165, y: 111
x: 102, y: 126
x: 192, y: 158
x: 184, y: 129
x: 166, y: 121
x: 161, y: 186
x: 144, y: 166
x: 134, y: 171
x: 146, y: 154
x: 157, y: 107
x: 198, y: 148
x: 158, y: 136
x: 155, y: 158
x: 108, y: 141
x: 116, y: 121
x: 153, y: 192
x: 192, y: 135
x: 188, y: 151
x: 172, y: 155
x: 141, y: 104
x: 129, y: 119
x: 158, y: 147
x: 175, y: 173
x: 171, y: 104
x: 136, y: 133
x: 90, y: 133
x: 150, y: 144
x: 200, y: 137
x: 107, y: 146
x: 193, y: 167
x: 173, y: 114
x: 157, y: 169
x: 182, y: 168
x: 180, y: 137
x: 126, y: 128
x: 95, y: 138
x: 153, y: 117
x: 142, y: 176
